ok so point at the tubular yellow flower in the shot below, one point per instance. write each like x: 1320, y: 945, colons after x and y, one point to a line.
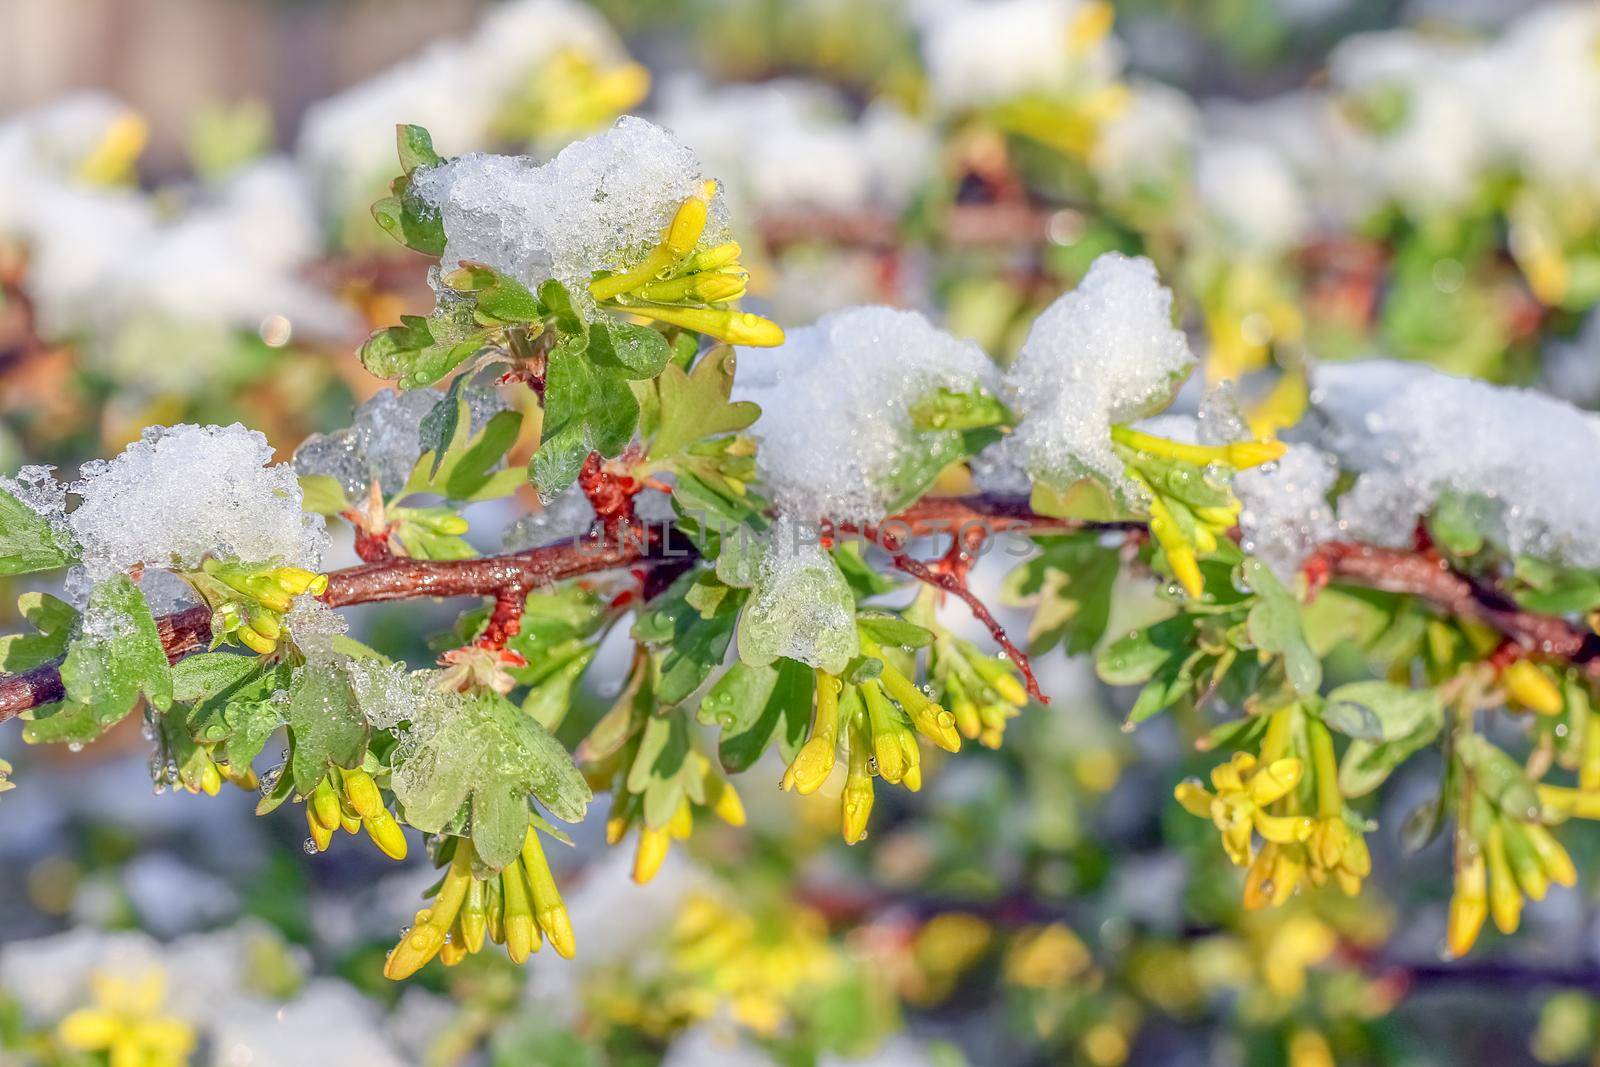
x: 857, y: 803
x: 1469, y: 904
x: 935, y: 723
x: 433, y: 924
x: 814, y: 762
x: 1530, y: 687
x: 548, y: 910
x: 1505, y: 901
x: 522, y: 933
x: 734, y: 327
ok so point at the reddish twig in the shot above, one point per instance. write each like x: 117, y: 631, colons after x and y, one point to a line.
x: 659, y: 555
x: 951, y: 584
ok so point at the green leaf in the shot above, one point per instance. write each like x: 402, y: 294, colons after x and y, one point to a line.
x: 1554, y: 590
x: 694, y: 643
x: 391, y: 351
x: 1069, y: 585
x: 658, y: 769
x: 695, y: 404
x: 409, y: 220
x: 475, y: 467
x: 243, y: 716
x: 415, y: 146
x: 27, y: 541
x: 1381, y: 711
x: 558, y: 305
x: 114, y: 656
x: 52, y: 619
x: 753, y: 705
x: 1274, y: 627
x: 325, y: 725
x: 322, y: 495
x: 483, y: 748
x: 1136, y: 657
x: 438, y: 427
x: 634, y: 352
x: 559, y: 460
x: 209, y: 673
x: 893, y: 631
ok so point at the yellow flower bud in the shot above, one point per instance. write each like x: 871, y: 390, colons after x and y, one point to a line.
x: 1505, y: 901
x: 522, y: 933
x: 473, y: 919
x: 650, y: 854
x: 814, y: 762
x: 548, y: 910
x: 1530, y: 687
x: 1557, y: 863
x: 1469, y: 905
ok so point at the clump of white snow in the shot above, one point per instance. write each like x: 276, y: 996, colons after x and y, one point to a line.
x: 1285, y: 511
x: 602, y: 203
x: 181, y: 493
x: 788, y: 144
x: 1149, y: 146
x: 1417, y: 137
x: 980, y: 53
x: 835, y: 426
x: 1103, y: 354
x: 1413, y: 434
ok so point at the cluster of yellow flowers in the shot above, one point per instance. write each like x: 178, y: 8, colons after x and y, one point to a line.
x: 1263, y: 797
x: 678, y: 286
x: 511, y: 907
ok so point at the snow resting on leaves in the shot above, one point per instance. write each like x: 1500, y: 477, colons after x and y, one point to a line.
x: 383, y: 442
x: 602, y: 203
x: 183, y: 492
x: 1521, y: 460
x: 835, y: 424
x: 1105, y: 353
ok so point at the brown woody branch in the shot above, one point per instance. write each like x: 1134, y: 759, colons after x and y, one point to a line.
x: 1392, y: 570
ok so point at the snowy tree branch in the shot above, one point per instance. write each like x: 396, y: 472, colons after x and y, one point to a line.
x: 1418, y: 574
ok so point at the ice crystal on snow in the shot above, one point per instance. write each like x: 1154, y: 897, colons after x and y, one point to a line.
x: 835, y: 427
x: 602, y: 203
x: 803, y: 608
x: 1103, y: 354
x: 183, y: 492
x: 1285, y: 511
x: 1413, y: 434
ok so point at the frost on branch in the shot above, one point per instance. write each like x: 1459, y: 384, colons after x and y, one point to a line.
x: 838, y: 437
x: 1521, y: 460
x: 602, y: 203
x: 181, y: 493
x: 1104, y: 354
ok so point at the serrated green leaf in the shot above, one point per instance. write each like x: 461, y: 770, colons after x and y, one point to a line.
x: 694, y: 405
x: 634, y: 352
x: 205, y: 675
x: 438, y: 427
x: 1382, y: 711
x: 324, y: 723
x: 28, y: 543
x: 113, y: 657
x: 52, y: 619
